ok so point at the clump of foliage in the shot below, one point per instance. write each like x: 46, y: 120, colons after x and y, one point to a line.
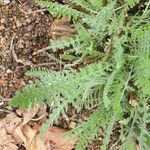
x: 118, y: 83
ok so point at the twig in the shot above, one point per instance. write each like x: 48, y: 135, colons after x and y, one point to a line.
x: 4, y: 99
x: 44, y: 64
x: 42, y: 50
x: 75, y: 62
x: 126, y: 84
x: 27, y: 63
x: 55, y: 59
x: 36, y: 11
x: 39, y: 118
x: 19, y: 2
x: 111, y: 148
x: 5, y: 110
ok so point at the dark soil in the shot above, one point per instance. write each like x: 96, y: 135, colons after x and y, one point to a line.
x: 29, y: 31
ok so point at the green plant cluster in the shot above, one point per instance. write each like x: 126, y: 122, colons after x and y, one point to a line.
x: 117, y: 85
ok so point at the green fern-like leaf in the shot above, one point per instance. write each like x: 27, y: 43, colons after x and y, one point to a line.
x: 143, y: 117
x: 129, y: 144
x: 58, y: 10
x: 90, y: 128
x: 142, y: 71
x: 97, y: 4
x: 55, y: 83
x: 101, y: 21
x: 131, y: 3
x: 61, y: 108
x: 85, y: 5
x: 108, y: 131
x: 77, y: 42
x: 64, y: 42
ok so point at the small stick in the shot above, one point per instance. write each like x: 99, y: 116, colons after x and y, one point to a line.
x: 75, y: 62
x: 44, y: 64
x: 55, y: 59
x: 28, y: 63
x: 42, y: 50
x: 37, y: 119
x: 4, y: 99
x: 5, y: 110
x: 36, y: 11
x: 15, y: 56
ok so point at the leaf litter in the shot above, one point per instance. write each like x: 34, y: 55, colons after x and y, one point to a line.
x: 15, y: 130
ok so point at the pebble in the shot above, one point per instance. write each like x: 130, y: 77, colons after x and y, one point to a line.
x: 30, y: 81
x: 43, y: 13
x: 6, y: 1
x: 72, y: 125
x: 23, y: 83
x: 3, y: 21
x: 8, y: 71
x: 18, y: 24
x: 30, y: 27
x: 2, y: 27
x: 27, y: 44
x: 28, y: 21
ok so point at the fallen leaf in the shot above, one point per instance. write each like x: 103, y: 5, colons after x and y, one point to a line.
x: 137, y: 147
x: 20, y: 45
x: 11, y: 121
x: 2, y: 27
x: 16, y: 130
x: 6, y: 140
x: 37, y: 144
x: 56, y: 136
x: 28, y: 114
x: 41, y: 115
x: 1, y: 82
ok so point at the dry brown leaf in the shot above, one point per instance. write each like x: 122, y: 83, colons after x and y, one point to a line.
x: 2, y: 27
x: 37, y: 144
x: 6, y: 140
x: 56, y: 136
x: 30, y: 138
x: 42, y: 112
x: 28, y: 114
x: 15, y: 130
x: 28, y: 135
x: 137, y: 147
x: 1, y: 82
x: 23, y: 129
x: 11, y: 121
